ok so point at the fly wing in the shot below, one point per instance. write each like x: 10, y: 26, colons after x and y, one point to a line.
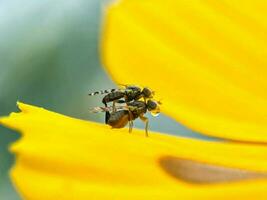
x: 107, y: 109
x: 102, y: 92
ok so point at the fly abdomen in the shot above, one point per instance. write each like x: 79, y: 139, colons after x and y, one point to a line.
x: 118, y: 119
x: 116, y: 95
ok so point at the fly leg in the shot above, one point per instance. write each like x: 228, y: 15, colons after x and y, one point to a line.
x: 130, y: 119
x: 145, y: 120
x: 114, y: 106
x: 107, y: 116
x: 144, y: 99
x: 130, y: 126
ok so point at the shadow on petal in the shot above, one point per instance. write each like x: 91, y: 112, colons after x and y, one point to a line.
x: 204, y: 173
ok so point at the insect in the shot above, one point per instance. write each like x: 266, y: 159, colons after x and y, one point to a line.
x: 127, y: 94
x: 128, y: 113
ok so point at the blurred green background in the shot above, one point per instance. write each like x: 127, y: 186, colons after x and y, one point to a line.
x: 50, y: 58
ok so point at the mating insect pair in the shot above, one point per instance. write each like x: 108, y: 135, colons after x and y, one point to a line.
x: 130, y: 106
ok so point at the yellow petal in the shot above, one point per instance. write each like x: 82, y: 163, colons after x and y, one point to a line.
x: 206, y: 59
x: 59, y: 157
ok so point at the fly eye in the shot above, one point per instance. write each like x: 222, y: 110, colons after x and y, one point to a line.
x: 147, y: 92
x: 151, y: 105
x: 155, y: 112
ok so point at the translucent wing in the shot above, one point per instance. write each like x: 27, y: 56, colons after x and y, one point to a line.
x: 106, y: 109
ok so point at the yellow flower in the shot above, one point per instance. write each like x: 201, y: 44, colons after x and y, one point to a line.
x: 207, y: 60
x: 60, y: 157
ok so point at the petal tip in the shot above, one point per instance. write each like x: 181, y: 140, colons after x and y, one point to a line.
x: 23, y: 107
x: 8, y: 120
x: 3, y: 120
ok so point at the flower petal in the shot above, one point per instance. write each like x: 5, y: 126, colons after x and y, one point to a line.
x: 205, y: 59
x: 59, y: 156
